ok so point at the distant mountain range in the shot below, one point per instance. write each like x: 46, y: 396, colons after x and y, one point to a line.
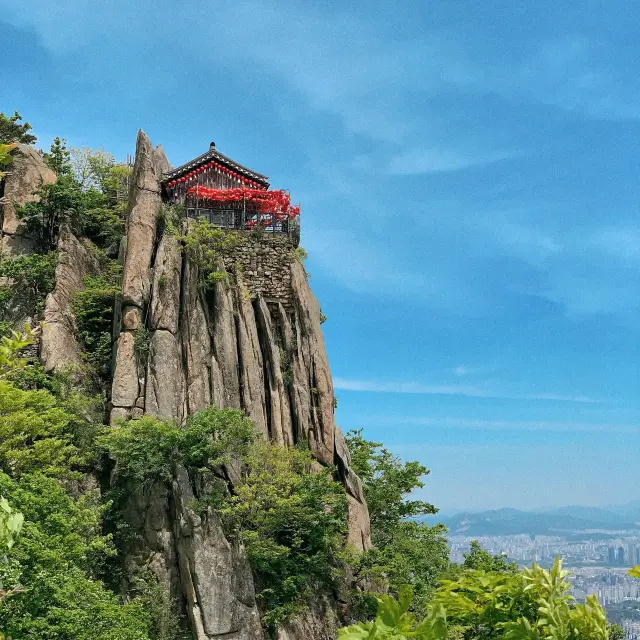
x: 563, y: 520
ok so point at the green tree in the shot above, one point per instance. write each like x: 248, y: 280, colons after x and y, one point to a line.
x: 59, y: 157
x: 292, y: 520
x: 387, y: 484
x: 406, y: 551
x: 58, y: 203
x: 30, y: 278
x: 12, y: 131
x: 478, y: 558
x: 35, y: 433
x: 89, y: 211
x: 54, y: 569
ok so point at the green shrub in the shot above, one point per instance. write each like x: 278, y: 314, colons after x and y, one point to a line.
x: 292, y: 519
x: 142, y: 344
x: 32, y: 278
x: 480, y: 605
x: 93, y: 311
x: 394, y: 621
x: 35, y: 433
x: 205, y: 245
x: 56, y: 561
x: 301, y: 254
x: 148, y: 449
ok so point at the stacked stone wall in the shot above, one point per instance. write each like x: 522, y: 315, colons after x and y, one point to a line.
x: 264, y: 264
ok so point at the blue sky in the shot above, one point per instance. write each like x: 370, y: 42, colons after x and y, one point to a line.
x: 469, y: 178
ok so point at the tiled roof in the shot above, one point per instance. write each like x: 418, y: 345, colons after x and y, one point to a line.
x: 213, y: 154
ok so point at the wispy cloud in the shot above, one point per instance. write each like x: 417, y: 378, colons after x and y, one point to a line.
x: 462, y: 370
x: 407, y: 387
x: 452, y: 390
x: 434, y: 160
x: 502, y: 425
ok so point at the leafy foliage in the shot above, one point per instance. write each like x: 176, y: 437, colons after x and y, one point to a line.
x: 12, y: 131
x: 205, y: 245
x: 478, y: 558
x: 387, y: 484
x: 530, y: 605
x: 59, y: 157
x: 10, y: 348
x: 31, y: 278
x: 292, y: 520
x: 58, y: 203
x: 165, y: 622
x: 93, y: 311
x: 406, y: 552
x: 35, y: 433
x: 5, y: 157
x: 395, y: 622
x: 148, y: 449
x: 10, y: 525
x: 55, y: 565
x: 53, y: 572
x: 94, y: 211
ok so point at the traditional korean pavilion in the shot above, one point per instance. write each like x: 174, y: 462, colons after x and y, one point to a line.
x: 228, y: 194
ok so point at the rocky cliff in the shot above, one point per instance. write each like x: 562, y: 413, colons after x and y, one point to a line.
x: 252, y: 342
x: 26, y: 174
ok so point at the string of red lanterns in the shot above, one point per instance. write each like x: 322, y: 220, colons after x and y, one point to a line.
x: 272, y: 202
x: 221, y: 169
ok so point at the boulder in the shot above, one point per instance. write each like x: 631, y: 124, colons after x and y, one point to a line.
x: 27, y: 173
x: 58, y: 346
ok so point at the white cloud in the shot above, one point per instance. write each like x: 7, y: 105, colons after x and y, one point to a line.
x: 420, y: 160
x: 503, y: 425
x: 373, y: 386
x: 407, y: 387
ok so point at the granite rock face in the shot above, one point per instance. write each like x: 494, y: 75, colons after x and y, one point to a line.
x: 252, y: 341
x: 27, y: 173
x: 58, y: 346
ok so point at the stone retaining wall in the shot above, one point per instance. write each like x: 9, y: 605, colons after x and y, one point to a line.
x: 264, y: 264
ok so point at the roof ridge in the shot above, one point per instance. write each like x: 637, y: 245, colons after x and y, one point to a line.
x: 214, y: 153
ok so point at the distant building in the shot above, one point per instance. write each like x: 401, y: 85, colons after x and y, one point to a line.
x: 621, y: 556
x: 612, y: 555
